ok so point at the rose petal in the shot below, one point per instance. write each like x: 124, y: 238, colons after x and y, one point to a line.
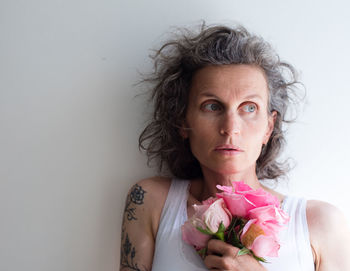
x: 265, y: 246
x: 238, y: 205
x: 215, y: 214
x: 194, y: 237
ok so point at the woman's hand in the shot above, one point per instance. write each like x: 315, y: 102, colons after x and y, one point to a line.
x: 223, y: 256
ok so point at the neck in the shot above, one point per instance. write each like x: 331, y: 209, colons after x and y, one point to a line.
x: 211, y: 179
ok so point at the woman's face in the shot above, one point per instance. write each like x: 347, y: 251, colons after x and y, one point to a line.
x: 227, y: 119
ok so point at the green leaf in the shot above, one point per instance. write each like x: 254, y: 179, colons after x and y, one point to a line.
x: 205, y: 231
x: 233, y: 239
x: 260, y: 259
x: 243, y: 251
x: 221, y: 227
x: 202, y: 252
x: 220, y: 235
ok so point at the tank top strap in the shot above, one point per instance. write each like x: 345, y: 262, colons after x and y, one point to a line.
x: 296, y: 208
x: 299, y: 231
x: 174, y: 212
x: 171, y: 252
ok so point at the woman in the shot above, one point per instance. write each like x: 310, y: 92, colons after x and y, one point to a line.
x: 220, y: 99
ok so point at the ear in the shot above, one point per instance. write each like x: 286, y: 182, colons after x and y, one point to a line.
x: 271, y: 124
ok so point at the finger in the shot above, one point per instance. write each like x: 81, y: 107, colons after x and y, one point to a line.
x: 213, y: 262
x: 217, y: 247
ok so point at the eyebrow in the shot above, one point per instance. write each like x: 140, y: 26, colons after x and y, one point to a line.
x: 207, y: 94
x: 210, y: 95
x: 253, y: 96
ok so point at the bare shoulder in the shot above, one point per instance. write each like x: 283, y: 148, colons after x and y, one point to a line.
x: 328, y: 230
x: 320, y: 211
x: 153, y: 190
x: 323, y: 218
x: 154, y: 185
x: 153, y: 193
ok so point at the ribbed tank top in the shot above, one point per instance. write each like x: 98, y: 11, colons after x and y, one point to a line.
x: 173, y: 254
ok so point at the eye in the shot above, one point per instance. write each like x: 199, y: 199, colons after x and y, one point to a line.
x: 211, y: 107
x: 249, y: 108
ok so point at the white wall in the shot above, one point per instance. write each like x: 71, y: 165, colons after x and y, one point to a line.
x: 70, y: 123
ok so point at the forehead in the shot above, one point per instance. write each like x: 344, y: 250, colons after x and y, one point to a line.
x: 225, y: 81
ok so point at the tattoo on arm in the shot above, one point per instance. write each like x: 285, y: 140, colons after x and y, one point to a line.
x: 128, y: 251
x: 136, y: 196
x: 127, y: 256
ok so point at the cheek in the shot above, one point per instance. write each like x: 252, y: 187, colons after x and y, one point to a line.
x: 256, y: 131
x: 201, y: 137
x: 201, y: 125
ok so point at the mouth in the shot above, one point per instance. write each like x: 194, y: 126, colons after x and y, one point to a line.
x: 229, y: 149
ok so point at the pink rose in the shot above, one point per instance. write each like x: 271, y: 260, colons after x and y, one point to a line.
x: 253, y: 237
x: 209, y: 201
x: 215, y: 214
x: 258, y: 197
x: 258, y: 220
x: 242, y: 198
x: 190, y: 233
x: 269, y: 213
x: 206, y: 217
x: 269, y: 218
x: 265, y: 246
x: 260, y: 234
x: 192, y: 236
x: 238, y: 205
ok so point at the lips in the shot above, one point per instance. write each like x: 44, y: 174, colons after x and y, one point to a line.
x: 228, y: 147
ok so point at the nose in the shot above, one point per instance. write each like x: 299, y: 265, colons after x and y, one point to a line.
x: 230, y: 124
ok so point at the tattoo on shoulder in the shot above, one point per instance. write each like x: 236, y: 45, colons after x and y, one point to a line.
x: 136, y: 196
x: 127, y: 256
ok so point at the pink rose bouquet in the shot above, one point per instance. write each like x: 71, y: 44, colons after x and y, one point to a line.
x: 245, y: 218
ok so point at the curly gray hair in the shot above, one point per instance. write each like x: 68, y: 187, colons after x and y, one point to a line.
x: 176, y: 62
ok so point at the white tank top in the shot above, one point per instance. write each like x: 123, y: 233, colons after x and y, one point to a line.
x: 173, y: 254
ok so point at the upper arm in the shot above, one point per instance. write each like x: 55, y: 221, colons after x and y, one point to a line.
x: 140, y: 222
x: 329, y: 236
x: 137, y: 242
